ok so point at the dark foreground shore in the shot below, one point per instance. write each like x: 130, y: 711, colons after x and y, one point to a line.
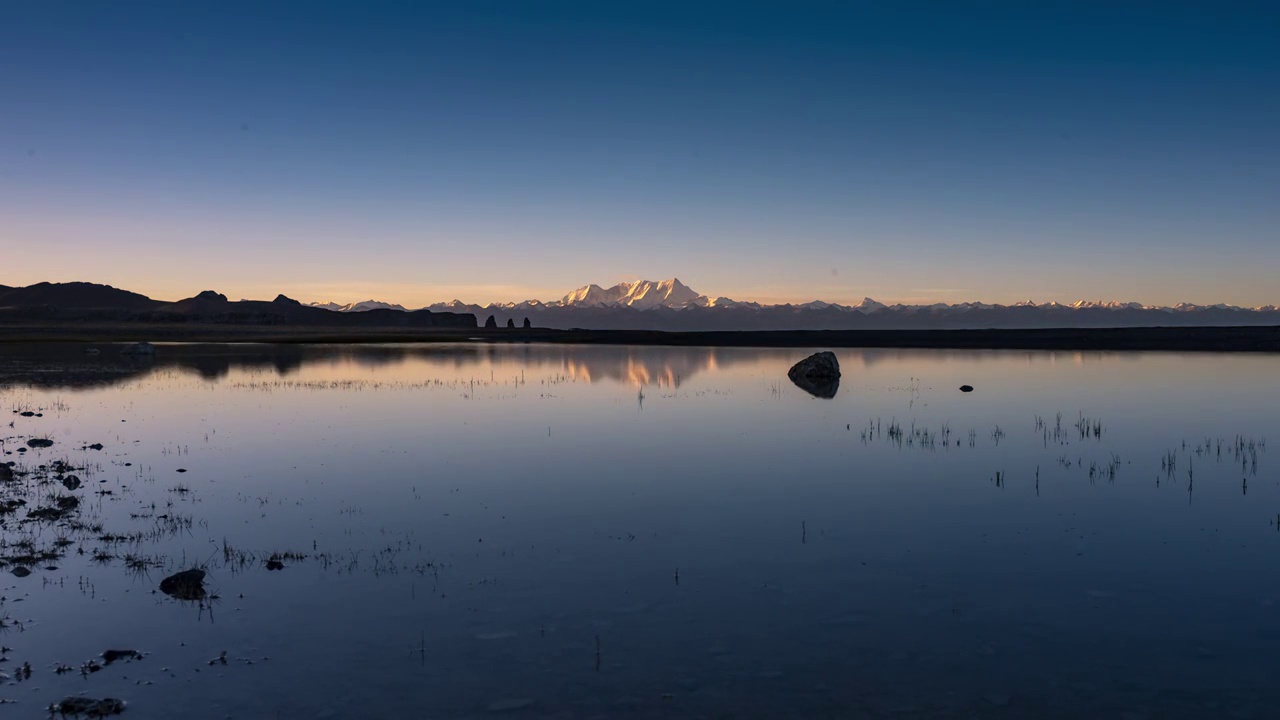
x: 1209, y: 339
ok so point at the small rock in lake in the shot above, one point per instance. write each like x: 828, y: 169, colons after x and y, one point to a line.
x: 89, y: 707
x: 274, y: 564
x: 28, y: 413
x: 96, y: 446
x: 182, y: 469
x: 21, y: 571
x: 111, y: 656
x: 186, y: 585
x: 818, y: 374
x: 39, y: 443
x: 71, y: 482
x: 62, y: 507
x: 966, y: 388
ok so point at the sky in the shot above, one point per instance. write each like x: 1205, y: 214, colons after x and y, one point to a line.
x: 500, y: 151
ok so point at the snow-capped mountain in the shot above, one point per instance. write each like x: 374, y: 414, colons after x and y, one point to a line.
x: 1189, y: 307
x: 358, y: 306
x: 820, y: 305
x: 1109, y: 304
x: 640, y: 295
x: 451, y: 306
x: 724, y: 302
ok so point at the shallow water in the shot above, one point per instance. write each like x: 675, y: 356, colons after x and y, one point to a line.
x: 492, y: 530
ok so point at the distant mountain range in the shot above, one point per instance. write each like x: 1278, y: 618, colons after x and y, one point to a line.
x: 642, y: 305
x: 358, y: 306
x: 672, y: 305
x: 89, y: 302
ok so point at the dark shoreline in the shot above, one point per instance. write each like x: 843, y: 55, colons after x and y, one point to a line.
x: 1206, y: 339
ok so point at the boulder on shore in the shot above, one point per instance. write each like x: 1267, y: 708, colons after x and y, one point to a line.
x: 492, y: 322
x: 818, y: 374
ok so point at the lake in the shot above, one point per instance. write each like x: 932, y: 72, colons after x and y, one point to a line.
x: 556, y: 531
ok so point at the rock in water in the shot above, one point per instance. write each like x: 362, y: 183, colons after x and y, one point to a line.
x: 21, y: 571
x: 110, y: 656
x: 818, y: 374
x: 817, y: 365
x: 966, y: 388
x: 62, y: 507
x: 40, y: 443
x: 89, y: 707
x: 71, y: 482
x: 186, y: 585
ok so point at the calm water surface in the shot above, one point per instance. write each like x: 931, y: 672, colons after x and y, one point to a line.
x: 532, y: 531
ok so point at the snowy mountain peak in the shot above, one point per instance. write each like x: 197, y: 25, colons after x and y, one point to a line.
x: 724, y: 302
x: 640, y: 295
x: 358, y: 306
x: 1106, y: 304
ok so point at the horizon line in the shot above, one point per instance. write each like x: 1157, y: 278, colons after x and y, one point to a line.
x: 910, y: 301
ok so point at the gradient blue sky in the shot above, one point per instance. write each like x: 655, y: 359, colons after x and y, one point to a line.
x: 414, y: 152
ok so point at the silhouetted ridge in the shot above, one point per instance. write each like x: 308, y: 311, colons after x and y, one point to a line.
x: 74, y: 295
x: 87, y: 302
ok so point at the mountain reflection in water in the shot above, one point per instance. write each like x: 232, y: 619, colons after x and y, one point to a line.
x: 68, y: 366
